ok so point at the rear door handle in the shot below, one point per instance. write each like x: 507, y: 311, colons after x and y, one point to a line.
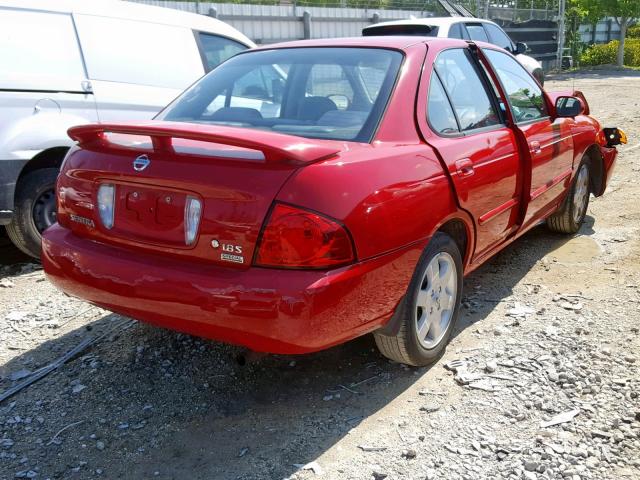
x: 464, y: 167
x: 535, y: 147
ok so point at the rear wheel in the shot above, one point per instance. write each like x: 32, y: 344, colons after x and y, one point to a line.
x: 35, y: 210
x: 569, y: 218
x: 430, y: 308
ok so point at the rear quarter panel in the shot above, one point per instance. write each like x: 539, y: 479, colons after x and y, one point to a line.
x: 387, y: 196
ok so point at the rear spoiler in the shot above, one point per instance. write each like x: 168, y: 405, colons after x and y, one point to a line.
x: 385, y: 30
x: 276, y: 147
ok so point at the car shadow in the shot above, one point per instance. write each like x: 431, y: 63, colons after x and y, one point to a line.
x: 9, y: 253
x: 171, y: 403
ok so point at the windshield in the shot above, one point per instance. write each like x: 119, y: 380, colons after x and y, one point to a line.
x: 333, y: 93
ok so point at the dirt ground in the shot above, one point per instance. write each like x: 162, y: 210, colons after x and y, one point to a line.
x: 549, y: 327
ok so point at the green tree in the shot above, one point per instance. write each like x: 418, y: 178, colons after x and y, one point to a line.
x: 625, y: 12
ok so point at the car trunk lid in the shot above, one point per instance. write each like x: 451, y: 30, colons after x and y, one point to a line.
x: 158, y: 168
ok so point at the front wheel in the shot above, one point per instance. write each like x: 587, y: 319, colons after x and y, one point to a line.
x: 569, y: 218
x: 35, y: 210
x: 430, y: 308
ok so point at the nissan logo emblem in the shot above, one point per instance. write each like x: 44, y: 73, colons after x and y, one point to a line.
x: 140, y: 163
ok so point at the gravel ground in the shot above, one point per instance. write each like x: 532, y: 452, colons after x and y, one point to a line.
x: 541, y: 380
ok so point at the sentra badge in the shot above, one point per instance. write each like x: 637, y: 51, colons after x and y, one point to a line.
x: 83, y: 220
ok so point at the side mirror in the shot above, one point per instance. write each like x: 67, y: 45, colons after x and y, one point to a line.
x: 521, y: 48
x: 569, y: 107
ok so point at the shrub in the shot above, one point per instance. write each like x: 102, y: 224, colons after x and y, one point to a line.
x: 633, y: 32
x: 605, y: 54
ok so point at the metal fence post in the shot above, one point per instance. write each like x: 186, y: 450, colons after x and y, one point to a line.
x: 561, y: 32
x: 306, y: 24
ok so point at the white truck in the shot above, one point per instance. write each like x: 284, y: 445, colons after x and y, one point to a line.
x: 72, y: 62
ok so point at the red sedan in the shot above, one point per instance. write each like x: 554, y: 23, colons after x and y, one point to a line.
x: 304, y: 194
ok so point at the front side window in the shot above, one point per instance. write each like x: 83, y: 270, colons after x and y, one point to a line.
x: 498, y: 37
x: 334, y: 93
x: 330, y: 81
x: 476, y: 32
x: 216, y: 50
x: 469, y: 96
x: 524, y: 94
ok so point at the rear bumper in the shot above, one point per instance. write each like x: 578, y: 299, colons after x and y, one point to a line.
x: 277, y: 311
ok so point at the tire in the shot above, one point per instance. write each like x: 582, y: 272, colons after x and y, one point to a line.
x: 568, y: 219
x: 35, y: 209
x: 408, y: 346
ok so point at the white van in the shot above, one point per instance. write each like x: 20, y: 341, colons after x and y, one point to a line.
x: 69, y: 62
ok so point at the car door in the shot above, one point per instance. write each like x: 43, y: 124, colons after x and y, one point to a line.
x: 42, y: 79
x: 548, y: 142
x: 480, y: 152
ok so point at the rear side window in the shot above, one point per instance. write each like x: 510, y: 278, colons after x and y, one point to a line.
x: 498, y: 37
x: 439, y: 112
x: 469, y: 96
x: 524, y: 94
x: 455, y: 31
x: 128, y: 51
x: 216, y: 50
x: 476, y: 32
x: 39, y: 51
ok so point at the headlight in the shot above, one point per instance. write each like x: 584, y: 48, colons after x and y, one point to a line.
x: 106, y: 199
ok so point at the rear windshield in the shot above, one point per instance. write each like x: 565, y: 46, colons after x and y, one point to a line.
x: 333, y: 93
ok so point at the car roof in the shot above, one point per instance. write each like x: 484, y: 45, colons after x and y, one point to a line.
x: 434, y: 21
x: 131, y: 11
x: 398, y: 42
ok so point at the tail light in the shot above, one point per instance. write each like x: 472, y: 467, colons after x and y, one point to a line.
x: 106, y: 198
x: 192, y: 211
x: 297, y: 238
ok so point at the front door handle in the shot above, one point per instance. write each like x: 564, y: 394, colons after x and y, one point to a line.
x: 535, y: 147
x: 464, y: 167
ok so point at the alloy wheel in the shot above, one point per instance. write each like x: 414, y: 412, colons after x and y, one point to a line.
x: 436, y: 300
